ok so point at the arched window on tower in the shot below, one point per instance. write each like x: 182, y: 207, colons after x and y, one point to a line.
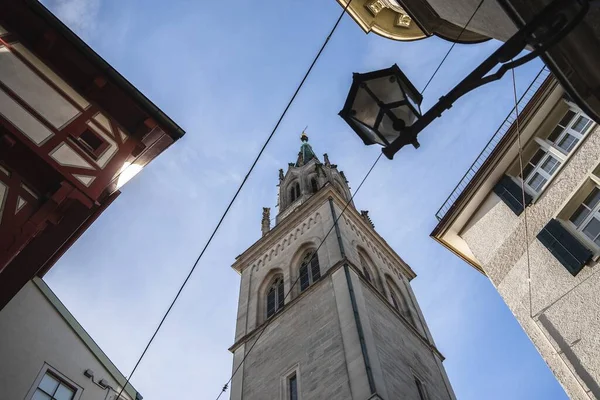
x: 398, y: 300
x: 340, y: 189
x: 309, y: 270
x: 294, y: 192
x: 313, y: 185
x: 275, y: 296
x: 369, y: 270
x: 365, y: 267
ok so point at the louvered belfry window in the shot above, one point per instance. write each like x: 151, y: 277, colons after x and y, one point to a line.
x: 309, y: 270
x: 275, y: 297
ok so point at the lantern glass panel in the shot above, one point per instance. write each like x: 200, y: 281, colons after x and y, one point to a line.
x: 368, y: 135
x: 387, y: 89
x: 387, y: 130
x: 365, y: 108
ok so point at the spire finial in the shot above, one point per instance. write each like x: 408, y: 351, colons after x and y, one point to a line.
x: 304, y: 137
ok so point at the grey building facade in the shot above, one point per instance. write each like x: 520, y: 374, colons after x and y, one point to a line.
x: 47, y: 355
x: 326, y: 310
x: 540, y: 248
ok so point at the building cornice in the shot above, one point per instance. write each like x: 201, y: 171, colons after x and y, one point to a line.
x: 338, y: 265
x: 499, y: 151
x: 261, y: 246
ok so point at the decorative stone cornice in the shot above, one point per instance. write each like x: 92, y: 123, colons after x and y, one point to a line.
x: 266, y: 245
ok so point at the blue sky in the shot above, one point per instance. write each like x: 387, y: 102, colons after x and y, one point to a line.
x: 224, y: 71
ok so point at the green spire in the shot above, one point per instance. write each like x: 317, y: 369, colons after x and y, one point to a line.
x: 306, y: 152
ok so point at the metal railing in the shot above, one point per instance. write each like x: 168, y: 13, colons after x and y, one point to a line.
x: 493, y: 142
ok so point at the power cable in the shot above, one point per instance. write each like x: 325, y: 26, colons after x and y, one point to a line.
x: 452, y: 47
x: 316, y: 58
x: 314, y: 253
x: 514, y: 84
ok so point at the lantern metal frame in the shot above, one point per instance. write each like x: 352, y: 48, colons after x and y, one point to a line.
x: 546, y: 29
x: 359, y: 81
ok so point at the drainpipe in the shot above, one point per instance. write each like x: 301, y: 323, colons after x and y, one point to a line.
x: 361, y: 336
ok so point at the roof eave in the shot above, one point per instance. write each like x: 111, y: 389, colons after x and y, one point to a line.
x: 172, y: 129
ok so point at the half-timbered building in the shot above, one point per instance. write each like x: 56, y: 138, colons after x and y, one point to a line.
x: 72, y: 132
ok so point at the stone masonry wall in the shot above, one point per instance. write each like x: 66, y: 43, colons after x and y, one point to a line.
x: 402, y: 355
x: 308, y: 335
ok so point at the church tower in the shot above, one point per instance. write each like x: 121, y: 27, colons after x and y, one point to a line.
x: 350, y: 327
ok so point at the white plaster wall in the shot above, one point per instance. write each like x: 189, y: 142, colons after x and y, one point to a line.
x: 563, y: 319
x: 34, y: 91
x: 32, y: 333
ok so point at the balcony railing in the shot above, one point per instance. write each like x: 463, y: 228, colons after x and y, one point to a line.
x: 491, y: 145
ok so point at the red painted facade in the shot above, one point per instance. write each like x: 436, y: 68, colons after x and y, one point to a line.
x: 61, y: 164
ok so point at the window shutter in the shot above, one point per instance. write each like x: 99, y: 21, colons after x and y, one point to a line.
x: 512, y: 195
x: 304, y: 282
x: 567, y: 249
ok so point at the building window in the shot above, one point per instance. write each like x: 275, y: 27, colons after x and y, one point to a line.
x: 395, y: 301
x: 540, y: 169
x: 309, y: 270
x: 586, y: 218
x: 569, y: 131
x: 548, y: 154
x: 275, y: 297
x: 365, y: 267
x: 91, y: 142
x: 293, y: 387
x: 53, y: 388
x: 420, y: 389
x: 313, y: 185
x: 295, y: 192
x: 399, y: 301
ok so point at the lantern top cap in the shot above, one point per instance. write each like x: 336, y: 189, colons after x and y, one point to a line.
x: 393, y: 70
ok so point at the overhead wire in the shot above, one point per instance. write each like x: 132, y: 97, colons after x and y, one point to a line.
x: 525, y: 222
x: 314, y: 253
x: 222, y: 218
x: 195, y: 264
x: 452, y: 47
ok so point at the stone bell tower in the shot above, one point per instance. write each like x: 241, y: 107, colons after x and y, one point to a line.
x: 328, y: 306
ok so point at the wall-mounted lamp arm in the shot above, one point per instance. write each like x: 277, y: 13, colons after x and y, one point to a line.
x: 543, y: 32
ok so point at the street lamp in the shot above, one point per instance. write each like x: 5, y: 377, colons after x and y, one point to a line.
x: 383, y: 107
x: 381, y: 104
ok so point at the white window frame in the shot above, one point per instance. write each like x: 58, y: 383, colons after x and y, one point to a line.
x: 568, y: 130
x: 552, y: 149
x: 277, y: 294
x: 285, y: 383
x: 577, y: 231
x: 539, y: 170
x: 46, y: 368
